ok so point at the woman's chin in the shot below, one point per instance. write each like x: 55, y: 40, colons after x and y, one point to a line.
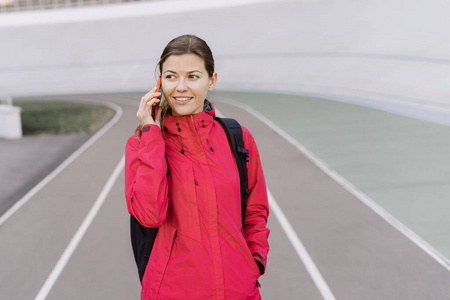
x: 182, y: 112
x: 185, y: 111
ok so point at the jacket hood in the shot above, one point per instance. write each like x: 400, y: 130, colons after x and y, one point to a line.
x: 209, y: 107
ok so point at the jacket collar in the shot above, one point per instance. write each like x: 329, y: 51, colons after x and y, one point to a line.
x: 175, y: 125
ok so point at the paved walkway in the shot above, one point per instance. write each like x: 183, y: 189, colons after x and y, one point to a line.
x: 357, y: 253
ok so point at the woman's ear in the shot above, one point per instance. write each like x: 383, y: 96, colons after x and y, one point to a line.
x: 212, y: 82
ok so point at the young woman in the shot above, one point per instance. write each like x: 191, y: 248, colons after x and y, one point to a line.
x: 201, y: 251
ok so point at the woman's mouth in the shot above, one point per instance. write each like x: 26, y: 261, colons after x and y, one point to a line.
x: 182, y: 100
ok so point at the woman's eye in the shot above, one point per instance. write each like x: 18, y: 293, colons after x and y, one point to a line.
x: 194, y: 76
x: 170, y: 77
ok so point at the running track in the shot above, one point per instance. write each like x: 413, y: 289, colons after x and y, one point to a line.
x: 69, y: 238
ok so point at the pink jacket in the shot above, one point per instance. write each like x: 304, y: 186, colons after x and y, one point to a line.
x: 200, y: 251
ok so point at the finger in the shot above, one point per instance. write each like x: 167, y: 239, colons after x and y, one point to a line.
x: 144, y: 101
x: 151, y: 102
x: 148, y: 97
x: 149, y: 108
x: 145, y: 107
x: 153, y: 90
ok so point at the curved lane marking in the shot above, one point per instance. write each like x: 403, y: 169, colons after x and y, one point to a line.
x: 64, y: 164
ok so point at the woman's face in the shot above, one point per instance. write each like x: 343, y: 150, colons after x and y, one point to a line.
x: 185, y: 83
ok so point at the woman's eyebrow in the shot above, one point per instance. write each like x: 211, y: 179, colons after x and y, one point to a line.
x: 195, y: 71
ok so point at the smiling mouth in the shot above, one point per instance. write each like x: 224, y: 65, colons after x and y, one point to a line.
x: 182, y: 99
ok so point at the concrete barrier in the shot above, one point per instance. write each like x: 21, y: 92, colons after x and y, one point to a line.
x: 10, y: 121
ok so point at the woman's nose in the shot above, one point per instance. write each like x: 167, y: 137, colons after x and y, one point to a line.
x: 181, y: 86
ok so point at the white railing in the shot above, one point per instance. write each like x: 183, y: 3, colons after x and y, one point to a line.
x: 24, y: 5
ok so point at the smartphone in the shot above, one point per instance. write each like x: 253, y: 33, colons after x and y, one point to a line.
x: 158, y: 87
x: 158, y: 83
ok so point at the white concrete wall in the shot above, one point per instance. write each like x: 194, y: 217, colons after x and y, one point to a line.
x: 393, y: 54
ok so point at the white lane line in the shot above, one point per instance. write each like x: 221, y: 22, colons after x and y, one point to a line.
x: 411, y: 235
x: 300, y: 249
x: 60, y: 265
x: 64, y: 164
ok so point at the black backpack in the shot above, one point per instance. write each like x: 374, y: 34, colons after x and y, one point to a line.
x: 143, y: 238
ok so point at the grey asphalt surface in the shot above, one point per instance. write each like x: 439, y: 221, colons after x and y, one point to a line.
x: 26, y: 161
x: 359, y: 255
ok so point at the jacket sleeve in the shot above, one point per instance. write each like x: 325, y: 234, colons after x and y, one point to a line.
x: 255, y: 231
x: 145, y: 177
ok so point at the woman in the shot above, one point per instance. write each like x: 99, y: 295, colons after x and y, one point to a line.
x: 201, y: 250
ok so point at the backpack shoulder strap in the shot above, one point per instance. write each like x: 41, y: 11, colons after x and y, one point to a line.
x: 235, y: 137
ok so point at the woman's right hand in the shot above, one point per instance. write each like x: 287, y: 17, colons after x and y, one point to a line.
x: 145, y: 108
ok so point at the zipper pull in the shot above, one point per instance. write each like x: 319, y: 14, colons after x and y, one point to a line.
x: 212, y: 149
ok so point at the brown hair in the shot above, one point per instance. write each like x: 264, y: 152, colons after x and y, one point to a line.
x: 184, y: 44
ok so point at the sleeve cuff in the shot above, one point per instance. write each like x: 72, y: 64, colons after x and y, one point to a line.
x: 145, y: 128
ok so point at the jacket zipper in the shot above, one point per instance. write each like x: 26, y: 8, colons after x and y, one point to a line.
x: 210, y: 147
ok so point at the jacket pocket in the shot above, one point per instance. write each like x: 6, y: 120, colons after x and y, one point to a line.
x: 240, y: 268
x: 242, y: 244
x: 249, y: 254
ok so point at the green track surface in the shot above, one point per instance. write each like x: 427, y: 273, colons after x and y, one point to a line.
x: 399, y: 162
